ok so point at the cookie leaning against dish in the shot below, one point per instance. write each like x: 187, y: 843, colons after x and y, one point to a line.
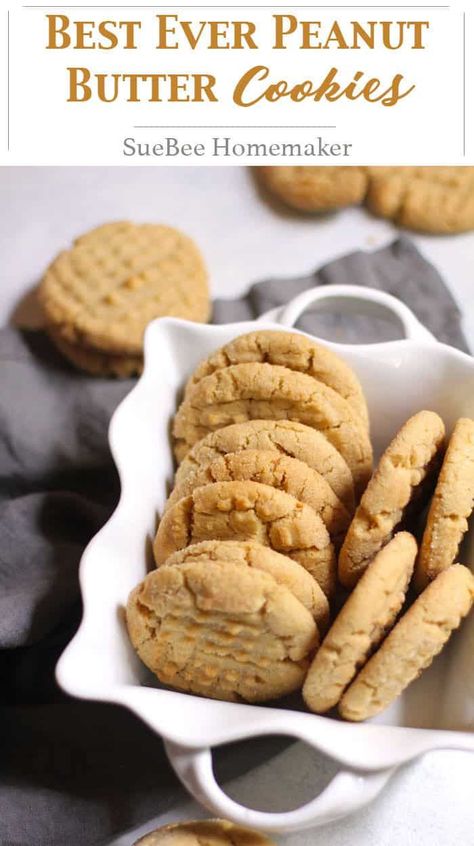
x: 404, y: 465
x: 370, y: 610
x: 250, y: 511
x: 286, y: 437
x: 284, y: 570
x: 222, y: 630
x: 450, y: 507
x: 204, y: 833
x: 430, y: 199
x: 316, y: 189
x: 279, y: 471
x: 411, y: 645
x: 102, y: 293
x: 291, y: 350
x: 267, y: 391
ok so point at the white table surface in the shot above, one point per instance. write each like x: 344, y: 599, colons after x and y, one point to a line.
x: 244, y: 239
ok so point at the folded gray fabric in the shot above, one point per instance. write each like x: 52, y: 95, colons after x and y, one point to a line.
x: 74, y: 772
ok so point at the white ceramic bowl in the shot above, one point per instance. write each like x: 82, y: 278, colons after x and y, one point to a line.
x: 437, y: 711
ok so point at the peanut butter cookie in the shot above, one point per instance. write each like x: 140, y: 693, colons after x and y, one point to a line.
x: 316, y: 189
x: 404, y: 465
x: 430, y: 199
x: 95, y: 362
x: 284, y: 570
x: 204, y: 833
x: 267, y: 391
x: 369, y: 612
x: 287, y: 474
x: 451, y: 505
x: 103, y: 292
x: 249, y: 511
x: 286, y: 437
x: 291, y: 350
x: 411, y: 645
x: 222, y: 630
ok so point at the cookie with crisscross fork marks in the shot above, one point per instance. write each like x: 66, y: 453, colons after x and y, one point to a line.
x: 221, y: 629
x: 102, y: 293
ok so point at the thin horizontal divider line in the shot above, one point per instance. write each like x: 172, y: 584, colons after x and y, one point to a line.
x: 221, y: 126
x: 234, y: 6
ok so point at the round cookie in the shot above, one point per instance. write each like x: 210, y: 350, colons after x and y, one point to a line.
x: 451, y: 505
x: 291, y: 350
x: 287, y: 474
x: 284, y: 570
x: 286, y: 437
x: 266, y: 391
x: 95, y: 362
x: 222, y: 630
x: 411, y: 645
x: 104, y: 291
x: 249, y: 511
x: 430, y: 199
x: 369, y: 612
x: 404, y: 465
x: 204, y: 833
x: 316, y: 189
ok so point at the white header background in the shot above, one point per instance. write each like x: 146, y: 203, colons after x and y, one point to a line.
x: 433, y: 125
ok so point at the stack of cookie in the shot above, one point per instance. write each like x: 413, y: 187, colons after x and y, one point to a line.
x: 99, y: 296
x: 273, y: 442
x: 368, y: 657
x: 428, y: 199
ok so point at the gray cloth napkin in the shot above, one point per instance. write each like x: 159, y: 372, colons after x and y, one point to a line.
x: 74, y: 772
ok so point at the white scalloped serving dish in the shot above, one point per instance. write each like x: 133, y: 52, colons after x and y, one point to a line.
x: 437, y: 711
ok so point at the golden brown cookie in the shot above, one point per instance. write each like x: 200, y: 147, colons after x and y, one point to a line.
x: 268, y: 392
x: 369, y: 612
x: 291, y: 350
x: 287, y: 474
x: 286, y: 437
x: 204, y: 833
x: 404, y: 465
x: 316, y: 189
x: 451, y: 505
x: 102, y: 293
x: 284, y: 570
x: 95, y: 362
x: 411, y: 645
x: 249, y: 511
x: 430, y: 199
x: 221, y: 629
